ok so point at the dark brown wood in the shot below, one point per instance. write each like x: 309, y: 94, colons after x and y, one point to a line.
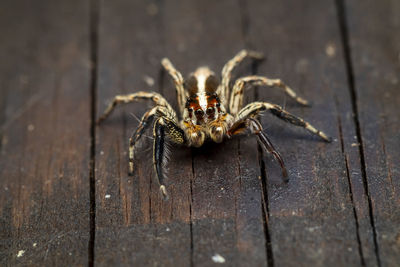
x: 134, y: 226
x: 321, y: 216
x: 340, y: 207
x: 45, y: 137
x: 226, y: 195
x: 221, y: 205
x: 374, y: 38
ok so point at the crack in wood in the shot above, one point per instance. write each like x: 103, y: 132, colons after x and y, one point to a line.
x: 345, y: 156
x: 93, y: 32
x: 343, y: 26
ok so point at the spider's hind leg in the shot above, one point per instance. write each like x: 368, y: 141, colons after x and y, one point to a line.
x: 223, y: 90
x: 255, y: 128
x: 236, y: 100
x: 253, y: 109
x: 178, y: 80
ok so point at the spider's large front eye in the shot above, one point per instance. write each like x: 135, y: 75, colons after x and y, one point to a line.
x: 210, y: 111
x: 199, y: 113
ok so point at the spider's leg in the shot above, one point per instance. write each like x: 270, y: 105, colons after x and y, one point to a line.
x: 124, y: 99
x: 164, y: 127
x: 178, y: 80
x: 137, y: 134
x: 223, y: 90
x: 236, y: 100
x: 253, y: 109
x: 255, y: 128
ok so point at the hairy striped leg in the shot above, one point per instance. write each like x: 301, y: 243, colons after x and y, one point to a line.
x: 143, y: 125
x: 236, y: 100
x: 178, y: 80
x: 253, y: 109
x: 124, y: 99
x: 164, y: 127
x: 223, y: 90
x: 255, y: 128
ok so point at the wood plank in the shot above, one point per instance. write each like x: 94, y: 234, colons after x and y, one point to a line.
x: 321, y: 217
x: 226, y: 199
x: 374, y: 38
x: 134, y: 226
x: 45, y: 137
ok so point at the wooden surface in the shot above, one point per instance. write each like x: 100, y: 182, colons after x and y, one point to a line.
x: 66, y: 198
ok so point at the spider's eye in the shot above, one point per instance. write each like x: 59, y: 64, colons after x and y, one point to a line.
x: 210, y: 111
x: 199, y: 113
x: 218, y: 105
x: 190, y: 110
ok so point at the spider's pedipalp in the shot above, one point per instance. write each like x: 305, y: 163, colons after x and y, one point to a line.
x: 223, y: 90
x: 125, y: 99
x: 253, y: 109
x: 236, y: 99
x: 164, y: 127
x: 179, y: 82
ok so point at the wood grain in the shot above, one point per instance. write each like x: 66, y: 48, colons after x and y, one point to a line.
x: 314, y: 218
x: 134, y: 226
x: 45, y: 138
x: 226, y: 195
x: 63, y: 61
x: 374, y: 39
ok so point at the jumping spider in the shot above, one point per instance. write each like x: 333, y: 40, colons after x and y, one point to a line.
x: 202, y: 101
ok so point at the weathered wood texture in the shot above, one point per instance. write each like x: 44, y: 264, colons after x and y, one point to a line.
x: 45, y: 137
x: 313, y: 217
x: 374, y: 37
x: 208, y: 199
x: 341, y: 206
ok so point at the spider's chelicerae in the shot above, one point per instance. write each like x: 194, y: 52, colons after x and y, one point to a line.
x: 209, y: 110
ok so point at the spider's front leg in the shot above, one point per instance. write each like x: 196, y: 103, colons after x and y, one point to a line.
x: 125, y: 99
x: 255, y: 127
x: 144, y: 123
x: 236, y: 100
x: 164, y: 128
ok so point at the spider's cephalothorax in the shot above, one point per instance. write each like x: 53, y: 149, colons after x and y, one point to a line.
x: 203, y: 103
x: 204, y: 116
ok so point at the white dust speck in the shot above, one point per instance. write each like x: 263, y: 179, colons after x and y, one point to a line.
x: 23, y: 79
x: 218, y: 258
x: 102, y: 152
x: 34, y: 245
x: 355, y: 144
x: 107, y: 196
x: 20, y: 253
x: 222, y: 189
x: 167, y: 229
x: 302, y: 66
x: 31, y: 127
x: 330, y: 50
x: 152, y: 9
x: 148, y: 80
